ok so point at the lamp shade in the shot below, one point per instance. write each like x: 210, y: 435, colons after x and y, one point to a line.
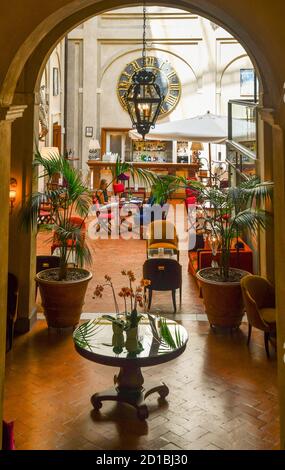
x: 12, y: 194
x: 94, y: 144
x: 197, y: 146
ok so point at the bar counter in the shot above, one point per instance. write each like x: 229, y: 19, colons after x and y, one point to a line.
x: 182, y: 169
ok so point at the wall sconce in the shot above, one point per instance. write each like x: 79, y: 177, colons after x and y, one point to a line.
x: 12, y: 193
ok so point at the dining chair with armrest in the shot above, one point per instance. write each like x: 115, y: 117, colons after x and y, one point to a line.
x: 259, y: 300
x: 163, y: 235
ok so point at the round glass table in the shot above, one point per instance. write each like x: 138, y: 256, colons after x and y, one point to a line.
x: 156, y: 340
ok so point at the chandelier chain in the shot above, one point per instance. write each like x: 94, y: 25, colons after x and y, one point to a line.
x: 144, y: 36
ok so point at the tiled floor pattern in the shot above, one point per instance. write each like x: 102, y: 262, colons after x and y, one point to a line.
x: 223, y: 395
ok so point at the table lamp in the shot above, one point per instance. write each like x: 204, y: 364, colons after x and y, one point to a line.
x: 196, y: 148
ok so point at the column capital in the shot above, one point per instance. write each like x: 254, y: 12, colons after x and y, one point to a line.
x: 10, y: 113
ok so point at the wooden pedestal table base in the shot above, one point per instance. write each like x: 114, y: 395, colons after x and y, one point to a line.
x: 129, y: 389
x: 94, y: 340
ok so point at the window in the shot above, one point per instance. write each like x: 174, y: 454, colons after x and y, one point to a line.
x: 55, y: 84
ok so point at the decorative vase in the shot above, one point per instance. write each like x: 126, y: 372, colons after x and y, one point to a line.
x: 118, y: 339
x: 132, y: 342
x: 117, y: 329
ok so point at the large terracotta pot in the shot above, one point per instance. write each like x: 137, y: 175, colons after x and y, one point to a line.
x: 223, y: 300
x: 63, y: 300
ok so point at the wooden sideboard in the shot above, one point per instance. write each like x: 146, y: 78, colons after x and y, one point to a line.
x: 181, y: 169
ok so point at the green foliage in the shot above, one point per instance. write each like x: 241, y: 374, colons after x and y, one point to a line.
x: 142, y: 176
x: 169, y: 340
x: 133, y: 319
x: 71, y: 199
x: 163, y: 188
x: 84, y: 334
x: 233, y: 211
x: 119, y: 322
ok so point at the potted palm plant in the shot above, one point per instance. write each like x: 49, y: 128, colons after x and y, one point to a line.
x: 229, y: 213
x: 62, y: 289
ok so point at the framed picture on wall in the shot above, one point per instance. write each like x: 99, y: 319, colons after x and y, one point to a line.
x: 55, y: 83
x: 247, y: 78
x: 88, y: 131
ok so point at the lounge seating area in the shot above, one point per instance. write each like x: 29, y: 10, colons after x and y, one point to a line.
x: 201, y: 257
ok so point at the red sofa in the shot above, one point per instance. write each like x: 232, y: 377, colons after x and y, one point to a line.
x: 202, y: 258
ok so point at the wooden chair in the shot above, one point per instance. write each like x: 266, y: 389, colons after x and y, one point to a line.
x: 12, y: 309
x: 164, y: 274
x: 259, y: 300
x: 44, y: 215
x: 163, y: 235
x: 104, y: 218
x: 76, y: 222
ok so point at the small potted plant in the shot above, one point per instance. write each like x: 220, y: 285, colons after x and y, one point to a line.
x: 128, y: 321
x: 62, y: 289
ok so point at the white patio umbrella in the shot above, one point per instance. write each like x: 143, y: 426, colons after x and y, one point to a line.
x: 208, y: 127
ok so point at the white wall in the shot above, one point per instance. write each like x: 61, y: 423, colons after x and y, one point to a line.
x: 55, y: 102
x: 206, y: 58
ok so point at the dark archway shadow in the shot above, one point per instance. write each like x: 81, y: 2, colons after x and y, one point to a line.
x: 56, y: 26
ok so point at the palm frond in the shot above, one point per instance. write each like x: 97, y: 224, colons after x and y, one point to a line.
x: 84, y: 335
x: 29, y: 214
x: 141, y: 175
x: 260, y: 193
x: 168, y: 339
x: 51, y: 164
x: 251, y: 219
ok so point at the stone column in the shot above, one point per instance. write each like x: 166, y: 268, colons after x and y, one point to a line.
x: 22, y: 242
x: 273, y: 167
x: 265, y: 172
x: 279, y: 229
x: 7, y: 116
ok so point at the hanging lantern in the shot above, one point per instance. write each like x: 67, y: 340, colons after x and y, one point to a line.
x: 144, y: 97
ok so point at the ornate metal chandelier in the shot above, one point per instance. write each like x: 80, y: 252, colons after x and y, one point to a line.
x: 144, y: 97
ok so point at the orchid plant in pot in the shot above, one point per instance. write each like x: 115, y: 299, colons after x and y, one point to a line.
x: 127, y: 321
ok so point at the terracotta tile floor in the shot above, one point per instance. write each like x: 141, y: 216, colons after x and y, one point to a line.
x: 222, y: 394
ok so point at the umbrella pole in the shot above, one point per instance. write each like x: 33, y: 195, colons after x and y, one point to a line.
x: 210, y: 163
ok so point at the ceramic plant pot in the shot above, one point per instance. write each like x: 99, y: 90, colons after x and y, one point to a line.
x: 63, y: 300
x: 223, y: 300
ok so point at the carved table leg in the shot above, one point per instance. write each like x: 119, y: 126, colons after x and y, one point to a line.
x: 129, y: 389
x: 162, y: 390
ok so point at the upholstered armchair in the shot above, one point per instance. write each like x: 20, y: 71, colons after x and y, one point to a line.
x: 163, y: 235
x: 259, y: 300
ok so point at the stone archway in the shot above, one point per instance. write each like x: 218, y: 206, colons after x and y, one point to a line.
x: 21, y: 68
